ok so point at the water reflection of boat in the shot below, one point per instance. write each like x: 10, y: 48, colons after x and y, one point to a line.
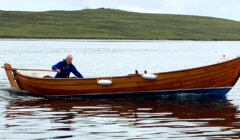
x: 215, y: 79
x: 190, y: 118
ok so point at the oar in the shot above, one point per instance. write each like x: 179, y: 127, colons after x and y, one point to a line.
x: 33, y: 69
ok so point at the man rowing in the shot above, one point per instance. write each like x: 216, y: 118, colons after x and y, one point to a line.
x: 65, y: 67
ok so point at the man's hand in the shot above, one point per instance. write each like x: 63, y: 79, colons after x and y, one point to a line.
x: 58, y: 71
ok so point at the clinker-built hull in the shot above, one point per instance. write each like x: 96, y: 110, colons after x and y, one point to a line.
x: 216, y: 79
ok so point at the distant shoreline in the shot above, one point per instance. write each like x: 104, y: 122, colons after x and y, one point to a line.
x: 111, y: 39
x: 112, y: 24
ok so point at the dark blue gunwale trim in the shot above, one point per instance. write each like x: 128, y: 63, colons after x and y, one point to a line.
x: 219, y: 91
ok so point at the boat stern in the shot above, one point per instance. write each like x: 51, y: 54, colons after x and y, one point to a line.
x: 10, y: 74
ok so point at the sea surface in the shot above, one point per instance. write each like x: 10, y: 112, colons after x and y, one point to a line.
x: 180, y: 117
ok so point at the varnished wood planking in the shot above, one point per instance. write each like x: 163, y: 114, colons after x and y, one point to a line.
x: 112, y: 90
x: 93, y: 81
x: 223, y: 74
x: 125, y: 79
x: 144, y: 82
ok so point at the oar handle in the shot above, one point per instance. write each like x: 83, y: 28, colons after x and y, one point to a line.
x: 32, y: 69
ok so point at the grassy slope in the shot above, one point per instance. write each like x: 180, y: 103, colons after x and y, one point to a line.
x: 115, y: 24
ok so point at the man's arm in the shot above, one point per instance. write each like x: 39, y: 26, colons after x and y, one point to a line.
x: 75, y: 72
x: 57, y: 66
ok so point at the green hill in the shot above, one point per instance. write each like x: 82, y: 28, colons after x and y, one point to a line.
x: 115, y: 24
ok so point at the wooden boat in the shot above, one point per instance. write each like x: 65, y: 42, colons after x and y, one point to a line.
x: 216, y: 79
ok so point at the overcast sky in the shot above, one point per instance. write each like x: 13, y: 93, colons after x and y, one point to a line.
x: 229, y: 9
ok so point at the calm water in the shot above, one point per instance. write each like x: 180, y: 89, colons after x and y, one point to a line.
x: 180, y: 117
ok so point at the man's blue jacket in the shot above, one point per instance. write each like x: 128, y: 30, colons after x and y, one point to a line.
x: 66, y: 70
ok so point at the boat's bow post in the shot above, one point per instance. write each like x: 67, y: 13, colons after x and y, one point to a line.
x: 11, y: 75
